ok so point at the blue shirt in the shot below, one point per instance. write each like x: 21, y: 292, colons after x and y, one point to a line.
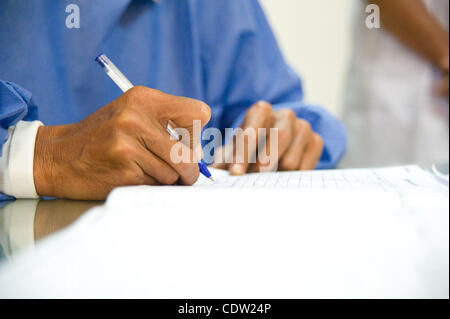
x: 222, y: 52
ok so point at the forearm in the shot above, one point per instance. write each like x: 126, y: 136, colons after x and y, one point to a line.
x: 45, y: 154
x: 412, y: 24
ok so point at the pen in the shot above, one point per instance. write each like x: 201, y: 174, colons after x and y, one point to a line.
x: 124, y: 84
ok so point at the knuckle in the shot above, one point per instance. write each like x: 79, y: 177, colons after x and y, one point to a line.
x: 287, y: 113
x: 126, y: 119
x: 121, y: 150
x: 261, y: 107
x: 137, y: 95
x: 138, y: 91
x: 305, y: 126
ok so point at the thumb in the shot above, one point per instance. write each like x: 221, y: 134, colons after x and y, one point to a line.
x: 184, y: 111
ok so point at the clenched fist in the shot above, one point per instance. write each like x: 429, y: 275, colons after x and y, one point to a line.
x: 298, y: 147
x: 123, y: 143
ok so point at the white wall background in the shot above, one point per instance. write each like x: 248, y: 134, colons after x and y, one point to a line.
x: 315, y: 36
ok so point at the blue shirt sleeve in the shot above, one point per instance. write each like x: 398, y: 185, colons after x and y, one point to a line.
x: 16, y: 104
x: 243, y: 64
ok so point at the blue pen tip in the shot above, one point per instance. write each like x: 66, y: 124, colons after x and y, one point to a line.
x: 204, y: 169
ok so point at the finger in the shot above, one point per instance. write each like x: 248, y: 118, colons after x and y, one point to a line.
x: 442, y: 88
x: 284, y: 125
x: 179, y: 156
x: 444, y: 64
x: 291, y: 160
x: 191, y: 137
x: 222, y: 156
x: 135, y: 175
x: 150, y: 181
x: 156, y: 168
x: 165, y: 107
x: 260, y: 115
x: 312, y: 153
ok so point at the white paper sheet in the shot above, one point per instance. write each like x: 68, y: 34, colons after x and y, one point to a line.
x: 394, y: 179
x: 380, y: 233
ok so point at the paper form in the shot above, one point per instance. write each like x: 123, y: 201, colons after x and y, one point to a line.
x: 393, y: 179
x: 370, y: 233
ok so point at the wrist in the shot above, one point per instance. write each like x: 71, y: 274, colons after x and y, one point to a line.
x: 46, y: 160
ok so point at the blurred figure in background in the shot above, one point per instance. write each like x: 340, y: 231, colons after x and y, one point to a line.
x: 396, y: 108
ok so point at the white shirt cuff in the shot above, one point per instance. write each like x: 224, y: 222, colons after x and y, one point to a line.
x: 19, y: 179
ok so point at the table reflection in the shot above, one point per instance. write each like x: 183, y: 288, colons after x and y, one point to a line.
x: 23, y: 222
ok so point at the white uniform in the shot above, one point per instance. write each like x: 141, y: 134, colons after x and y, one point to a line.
x: 390, y: 111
